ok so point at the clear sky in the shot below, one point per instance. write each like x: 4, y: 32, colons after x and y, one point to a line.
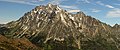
x: 107, y: 11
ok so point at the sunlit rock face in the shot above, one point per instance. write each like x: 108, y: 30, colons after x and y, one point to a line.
x: 61, y: 30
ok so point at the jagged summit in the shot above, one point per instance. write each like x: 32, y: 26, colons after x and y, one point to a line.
x: 116, y: 25
x: 54, y: 26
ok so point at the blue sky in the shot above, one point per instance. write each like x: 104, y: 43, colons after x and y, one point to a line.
x: 107, y: 11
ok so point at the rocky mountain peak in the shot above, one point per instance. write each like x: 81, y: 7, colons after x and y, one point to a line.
x: 116, y: 26
x: 52, y: 23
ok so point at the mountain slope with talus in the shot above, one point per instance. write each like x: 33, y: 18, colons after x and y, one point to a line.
x: 53, y: 28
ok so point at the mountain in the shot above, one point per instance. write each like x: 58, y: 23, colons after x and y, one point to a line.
x: 53, y: 28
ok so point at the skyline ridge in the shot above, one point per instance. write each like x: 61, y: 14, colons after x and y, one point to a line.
x: 105, y: 11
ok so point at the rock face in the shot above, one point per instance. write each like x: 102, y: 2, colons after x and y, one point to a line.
x: 53, y: 28
x: 1, y: 25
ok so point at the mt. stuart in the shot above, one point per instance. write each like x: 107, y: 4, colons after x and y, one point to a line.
x: 52, y: 28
